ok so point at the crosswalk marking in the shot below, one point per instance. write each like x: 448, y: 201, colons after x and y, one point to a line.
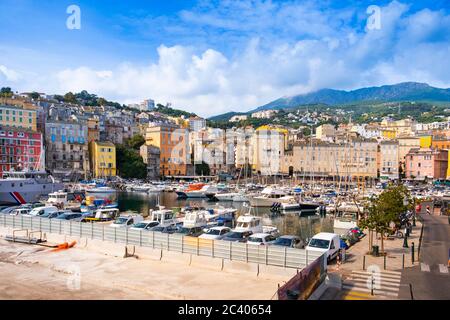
x: 424, y: 267
x: 443, y: 268
x: 358, y: 286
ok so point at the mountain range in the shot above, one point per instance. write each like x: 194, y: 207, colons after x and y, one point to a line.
x: 406, y: 91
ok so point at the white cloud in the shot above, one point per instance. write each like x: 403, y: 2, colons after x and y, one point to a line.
x: 330, y: 53
x: 8, y: 75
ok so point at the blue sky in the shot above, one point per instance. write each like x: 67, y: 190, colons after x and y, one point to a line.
x: 211, y: 57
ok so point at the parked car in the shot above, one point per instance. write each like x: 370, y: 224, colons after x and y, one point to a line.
x: 68, y: 215
x: 290, y: 242
x: 328, y: 243
x: 144, y: 225
x: 165, y: 229
x: 215, y: 233
x: 19, y: 211
x: 261, y: 239
x: 237, y: 236
x: 190, y: 231
x: 7, y: 210
x: 51, y: 215
x: 124, y: 221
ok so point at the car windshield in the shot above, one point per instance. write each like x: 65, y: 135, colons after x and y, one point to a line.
x: 213, y: 232
x: 319, y: 243
x: 184, y: 230
x: 140, y: 225
x: 121, y: 220
x: 63, y: 216
x: 235, y: 235
x: 254, y: 239
x: 47, y: 214
x: 283, y: 242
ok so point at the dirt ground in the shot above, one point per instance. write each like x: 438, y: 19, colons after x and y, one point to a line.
x: 34, y: 272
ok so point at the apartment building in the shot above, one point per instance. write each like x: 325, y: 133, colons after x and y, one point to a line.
x: 20, y: 149
x: 102, y: 156
x: 19, y: 117
x: 426, y: 163
x: 173, y: 143
x: 315, y: 158
x: 151, y: 157
x: 389, y: 160
x: 67, y: 152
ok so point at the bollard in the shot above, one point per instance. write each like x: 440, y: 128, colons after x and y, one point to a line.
x: 364, y: 262
x: 412, y: 252
x: 384, y: 262
x: 403, y: 261
x: 405, y: 241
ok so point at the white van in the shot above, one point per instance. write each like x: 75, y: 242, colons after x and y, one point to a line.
x: 326, y: 242
x: 38, y: 211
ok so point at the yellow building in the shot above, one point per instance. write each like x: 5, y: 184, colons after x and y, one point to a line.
x: 388, y: 133
x: 18, y: 117
x: 425, y: 141
x: 103, y: 159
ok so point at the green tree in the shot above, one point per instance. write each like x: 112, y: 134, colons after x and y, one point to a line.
x: 135, y: 142
x: 384, y: 210
x: 69, y: 97
x: 34, y: 95
x: 129, y: 163
x: 102, y: 102
x: 6, y: 92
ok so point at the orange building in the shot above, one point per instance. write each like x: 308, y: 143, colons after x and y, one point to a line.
x: 173, y: 143
x: 443, y: 144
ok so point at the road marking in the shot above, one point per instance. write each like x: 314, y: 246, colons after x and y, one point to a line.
x: 443, y: 268
x: 424, y: 267
x: 359, y: 285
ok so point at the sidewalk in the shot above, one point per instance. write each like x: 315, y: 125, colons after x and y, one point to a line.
x: 393, y: 248
x: 359, y: 264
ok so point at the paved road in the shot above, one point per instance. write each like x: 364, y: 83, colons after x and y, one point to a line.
x: 430, y: 279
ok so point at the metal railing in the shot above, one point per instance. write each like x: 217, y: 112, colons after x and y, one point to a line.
x: 236, y: 251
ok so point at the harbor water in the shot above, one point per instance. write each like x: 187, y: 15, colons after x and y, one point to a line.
x: 303, y: 224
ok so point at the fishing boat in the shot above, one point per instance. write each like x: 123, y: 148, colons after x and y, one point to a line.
x: 65, y: 200
x: 102, y: 215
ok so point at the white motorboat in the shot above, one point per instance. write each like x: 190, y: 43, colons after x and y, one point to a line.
x: 205, y: 192
x: 165, y: 217
x: 268, y: 197
x: 101, y: 190
x: 345, y: 218
x: 248, y: 222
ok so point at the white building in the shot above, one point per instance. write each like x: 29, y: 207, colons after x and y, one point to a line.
x: 389, y: 160
x: 196, y: 124
x: 237, y: 118
x: 264, y: 114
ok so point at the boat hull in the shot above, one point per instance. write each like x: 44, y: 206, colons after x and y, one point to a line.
x: 24, y: 191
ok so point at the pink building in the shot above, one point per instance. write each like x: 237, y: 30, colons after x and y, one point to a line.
x: 428, y: 163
